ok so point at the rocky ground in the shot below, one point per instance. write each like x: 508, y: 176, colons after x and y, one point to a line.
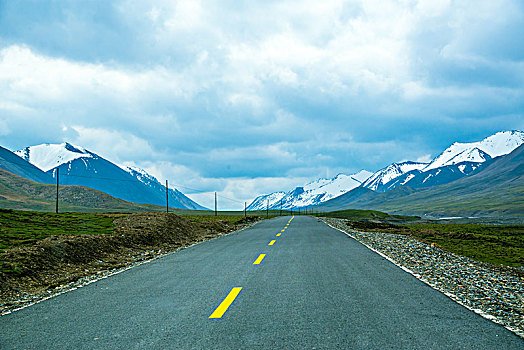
x: 495, y: 292
x: 64, y: 262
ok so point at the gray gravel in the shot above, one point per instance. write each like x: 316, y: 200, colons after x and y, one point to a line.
x: 495, y: 292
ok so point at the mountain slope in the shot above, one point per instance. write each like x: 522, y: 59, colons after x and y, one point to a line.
x: 78, y: 166
x: 16, y: 165
x: 433, y: 177
x: 313, y: 193
x: 497, y: 188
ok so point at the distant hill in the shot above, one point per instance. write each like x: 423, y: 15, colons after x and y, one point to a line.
x: 16, y: 165
x: 496, y: 188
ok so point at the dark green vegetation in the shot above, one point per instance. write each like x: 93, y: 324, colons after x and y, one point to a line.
x: 497, y: 189
x: 20, y: 228
x: 232, y: 219
x: 23, y: 228
x: 358, y: 214
x: 495, y: 244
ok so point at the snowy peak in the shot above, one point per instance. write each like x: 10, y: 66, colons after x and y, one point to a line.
x: 48, y: 156
x: 469, y: 155
x: 385, y: 175
x: 313, y: 193
x: 493, y: 146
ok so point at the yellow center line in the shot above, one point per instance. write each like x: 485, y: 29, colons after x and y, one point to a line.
x: 278, y: 234
x: 226, y: 303
x: 259, y: 259
x: 272, y: 242
x: 283, y: 230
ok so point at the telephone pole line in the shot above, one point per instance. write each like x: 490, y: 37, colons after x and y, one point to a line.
x: 167, y: 197
x: 57, y: 185
x: 216, y: 213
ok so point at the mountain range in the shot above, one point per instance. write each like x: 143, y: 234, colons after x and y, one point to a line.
x: 494, y: 189
x: 311, y: 194
x: 458, y: 161
x: 79, y: 166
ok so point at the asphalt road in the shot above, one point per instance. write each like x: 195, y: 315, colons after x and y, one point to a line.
x: 314, y: 289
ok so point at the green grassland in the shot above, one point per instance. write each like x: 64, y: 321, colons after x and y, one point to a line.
x: 25, y: 228
x: 357, y: 214
x: 495, y: 244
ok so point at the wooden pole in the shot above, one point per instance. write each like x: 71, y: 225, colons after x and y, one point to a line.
x: 216, y: 212
x: 167, y: 197
x: 57, y: 186
x: 245, y: 209
x: 281, y: 207
x: 267, y: 209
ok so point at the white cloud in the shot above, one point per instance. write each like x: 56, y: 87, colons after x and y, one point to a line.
x: 116, y: 146
x: 231, y: 95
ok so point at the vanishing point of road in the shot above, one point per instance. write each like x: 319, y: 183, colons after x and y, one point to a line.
x: 285, y: 283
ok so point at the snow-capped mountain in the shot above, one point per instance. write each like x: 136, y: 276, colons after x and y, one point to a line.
x: 378, y: 180
x: 457, y: 161
x: 492, y: 146
x: 313, y: 193
x: 79, y: 166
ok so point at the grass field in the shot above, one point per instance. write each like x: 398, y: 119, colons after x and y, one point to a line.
x: 496, y: 244
x: 356, y: 214
x: 24, y: 228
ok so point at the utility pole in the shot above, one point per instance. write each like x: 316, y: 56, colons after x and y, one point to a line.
x: 167, y: 197
x: 216, y: 213
x: 245, y: 209
x: 57, y: 185
x: 267, y: 209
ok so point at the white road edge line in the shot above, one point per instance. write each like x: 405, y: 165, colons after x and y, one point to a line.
x: 120, y: 271
x: 420, y: 278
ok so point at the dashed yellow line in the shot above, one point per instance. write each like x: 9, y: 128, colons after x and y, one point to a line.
x: 272, y: 242
x: 226, y: 303
x: 278, y: 234
x: 282, y: 230
x: 259, y: 259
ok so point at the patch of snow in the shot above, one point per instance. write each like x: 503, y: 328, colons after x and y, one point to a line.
x: 48, y: 156
x: 407, y: 179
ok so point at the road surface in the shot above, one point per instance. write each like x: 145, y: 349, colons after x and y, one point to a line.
x: 311, y: 287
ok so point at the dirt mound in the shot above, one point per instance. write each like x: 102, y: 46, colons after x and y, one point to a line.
x: 58, y: 260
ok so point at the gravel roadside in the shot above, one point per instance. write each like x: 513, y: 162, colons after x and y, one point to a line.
x: 495, y: 292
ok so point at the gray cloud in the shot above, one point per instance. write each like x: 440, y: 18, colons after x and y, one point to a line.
x: 228, y: 94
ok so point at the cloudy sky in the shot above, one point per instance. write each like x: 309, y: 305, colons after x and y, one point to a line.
x: 251, y: 97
